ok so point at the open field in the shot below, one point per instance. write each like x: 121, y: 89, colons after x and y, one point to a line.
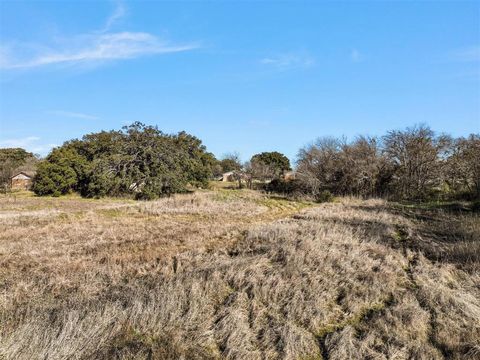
x: 238, y: 275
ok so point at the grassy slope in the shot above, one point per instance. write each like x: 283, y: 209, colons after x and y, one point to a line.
x: 235, y: 274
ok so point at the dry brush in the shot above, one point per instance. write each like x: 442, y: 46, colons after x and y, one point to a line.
x: 228, y: 274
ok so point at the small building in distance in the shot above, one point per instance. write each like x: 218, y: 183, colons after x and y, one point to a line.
x: 289, y: 176
x: 232, y: 176
x: 228, y: 176
x: 22, y: 180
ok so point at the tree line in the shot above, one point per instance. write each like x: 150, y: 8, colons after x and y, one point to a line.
x: 142, y: 161
x: 411, y: 164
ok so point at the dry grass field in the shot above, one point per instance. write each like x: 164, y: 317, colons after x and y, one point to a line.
x: 237, y: 275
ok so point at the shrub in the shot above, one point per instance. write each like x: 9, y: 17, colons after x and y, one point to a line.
x: 285, y: 187
x: 324, y: 196
x: 268, y: 165
x: 54, y: 179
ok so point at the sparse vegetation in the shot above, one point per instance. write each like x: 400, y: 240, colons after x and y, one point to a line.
x: 236, y: 274
x: 411, y: 164
x: 239, y: 180
x: 298, y: 271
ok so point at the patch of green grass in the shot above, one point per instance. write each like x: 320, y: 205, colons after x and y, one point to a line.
x: 225, y: 195
x: 17, y: 195
x: 111, y: 213
x: 355, y: 319
x: 401, y: 233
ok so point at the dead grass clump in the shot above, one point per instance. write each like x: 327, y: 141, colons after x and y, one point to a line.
x: 202, y: 203
x: 445, y: 234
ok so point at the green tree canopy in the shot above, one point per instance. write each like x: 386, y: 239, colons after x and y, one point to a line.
x: 139, y: 160
x: 269, y: 164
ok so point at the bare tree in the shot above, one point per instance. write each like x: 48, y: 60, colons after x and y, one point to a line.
x: 462, y: 170
x: 360, y: 167
x: 317, y: 165
x: 415, y: 155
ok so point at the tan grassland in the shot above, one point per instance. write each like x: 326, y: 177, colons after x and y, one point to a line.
x: 236, y: 274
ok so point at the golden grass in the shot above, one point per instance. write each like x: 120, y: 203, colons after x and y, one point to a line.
x: 228, y: 274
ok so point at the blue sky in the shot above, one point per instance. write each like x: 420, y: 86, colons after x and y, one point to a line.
x: 243, y: 76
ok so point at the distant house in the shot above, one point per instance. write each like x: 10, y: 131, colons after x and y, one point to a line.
x: 22, y: 181
x: 289, y: 176
x: 228, y: 176
x: 231, y: 176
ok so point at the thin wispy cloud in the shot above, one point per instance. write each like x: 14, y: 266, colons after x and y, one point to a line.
x: 29, y: 143
x: 467, y: 54
x: 72, y: 114
x: 356, y: 56
x: 119, y: 12
x: 289, y: 61
x: 92, y: 48
x: 100, y: 48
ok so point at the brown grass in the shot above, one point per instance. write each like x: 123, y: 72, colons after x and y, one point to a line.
x: 229, y: 274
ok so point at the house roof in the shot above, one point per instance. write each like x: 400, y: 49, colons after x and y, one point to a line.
x: 30, y: 174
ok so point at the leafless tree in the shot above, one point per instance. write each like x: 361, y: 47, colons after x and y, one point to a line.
x: 360, y: 167
x: 318, y: 163
x: 416, y: 155
x: 462, y: 170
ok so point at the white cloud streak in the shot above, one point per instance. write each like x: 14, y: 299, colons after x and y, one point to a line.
x: 71, y: 114
x: 99, y: 48
x: 356, y: 56
x: 119, y: 12
x: 89, y: 49
x: 30, y: 143
x: 289, y: 61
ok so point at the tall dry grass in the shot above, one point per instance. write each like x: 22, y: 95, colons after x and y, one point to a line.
x: 229, y: 274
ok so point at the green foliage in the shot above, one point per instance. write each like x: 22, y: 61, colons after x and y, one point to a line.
x: 14, y: 155
x: 138, y: 161
x: 229, y: 165
x: 324, y: 196
x: 63, y: 171
x: 293, y: 187
x: 196, y: 162
x: 229, y: 162
x: 13, y: 160
x: 275, y: 160
x: 54, y: 179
